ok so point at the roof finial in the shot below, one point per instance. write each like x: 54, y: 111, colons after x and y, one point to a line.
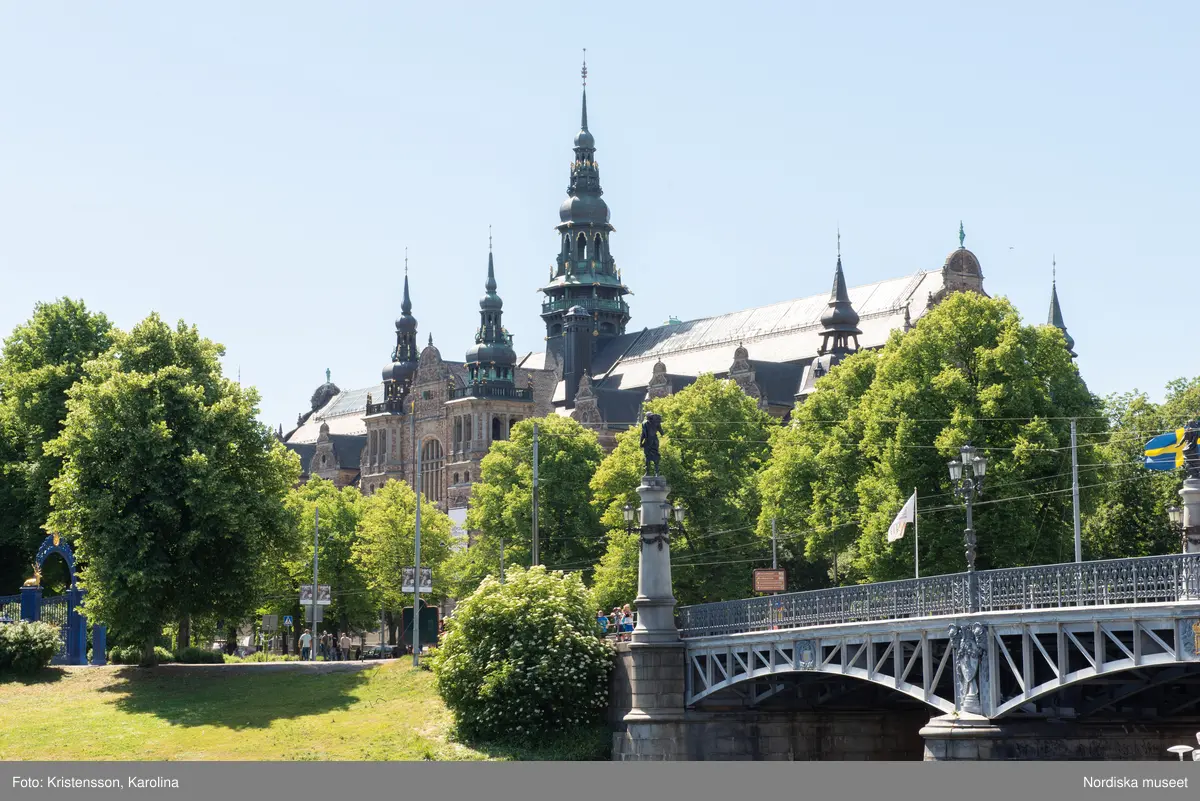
x: 326, y: 375
x: 839, y: 242
x: 406, y: 260
x: 584, y: 70
x: 489, y: 238
x: 1053, y: 269
x: 962, y: 235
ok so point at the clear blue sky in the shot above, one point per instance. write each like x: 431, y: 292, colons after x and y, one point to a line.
x: 258, y: 169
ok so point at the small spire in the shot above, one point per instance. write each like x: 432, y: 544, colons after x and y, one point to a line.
x: 431, y: 340
x: 583, y: 121
x: 962, y: 235
x: 406, y: 304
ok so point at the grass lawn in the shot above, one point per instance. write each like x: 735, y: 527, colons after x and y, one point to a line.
x: 247, y: 713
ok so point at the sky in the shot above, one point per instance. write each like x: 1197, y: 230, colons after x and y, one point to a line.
x: 259, y: 170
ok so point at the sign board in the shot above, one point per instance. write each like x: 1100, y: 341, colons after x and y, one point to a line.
x: 429, y: 626
x: 406, y: 585
x: 770, y: 580
x: 458, y: 527
x: 323, y: 595
x: 270, y: 622
x: 311, y: 616
x: 287, y: 621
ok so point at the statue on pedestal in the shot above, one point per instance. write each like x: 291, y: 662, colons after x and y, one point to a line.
x: 651, y: 428
x: 969, y: 644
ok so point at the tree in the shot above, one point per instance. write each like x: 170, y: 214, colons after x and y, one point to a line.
x: 385, y: 543
x: 340, y: 515
x: 42, y: 359
x: 502, y: 501
x: 881, y: 424
x: 1130, y: 513
x: 522, y: 659
x: 715, y: 440
x: 170, y: 487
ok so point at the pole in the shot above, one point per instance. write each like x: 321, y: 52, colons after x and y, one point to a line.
x: 1075, y: 493
x: 971, y: 578
x: 416, y: 637
x: 916, y: 536
x: 774, y: 560
x: 312, y: 645
x: 536, y: 553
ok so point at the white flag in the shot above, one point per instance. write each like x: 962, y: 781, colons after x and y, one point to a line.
x: 908, y: 514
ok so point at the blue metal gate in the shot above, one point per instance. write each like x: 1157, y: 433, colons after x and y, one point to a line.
x: 10, y: 607
x: 55, y: 611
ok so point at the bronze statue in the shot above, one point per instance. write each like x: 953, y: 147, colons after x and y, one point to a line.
x: 1191, y: 449
x: 36, y: 579
x: 651, y: 428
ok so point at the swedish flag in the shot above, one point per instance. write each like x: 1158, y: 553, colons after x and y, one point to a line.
x: 1165, y: 452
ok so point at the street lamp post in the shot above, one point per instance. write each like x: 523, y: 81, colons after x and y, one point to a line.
x: 966, y: 477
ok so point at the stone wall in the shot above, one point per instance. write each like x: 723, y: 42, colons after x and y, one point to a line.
x: 1057, y: 741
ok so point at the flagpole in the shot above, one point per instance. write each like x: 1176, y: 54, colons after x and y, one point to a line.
x: 916, y: 536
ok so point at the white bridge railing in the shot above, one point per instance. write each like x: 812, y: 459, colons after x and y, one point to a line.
x: 1148, y: 579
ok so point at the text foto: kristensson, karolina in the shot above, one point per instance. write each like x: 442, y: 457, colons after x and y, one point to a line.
x: 77, y: 783
x: 1109, y: 782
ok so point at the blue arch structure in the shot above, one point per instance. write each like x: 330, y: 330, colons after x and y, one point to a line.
x: 74, y: 633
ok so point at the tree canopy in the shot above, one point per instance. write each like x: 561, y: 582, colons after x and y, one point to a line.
x: 170, y: 486
x: 715, y: 441
x: 502, y: 501
x: 881, y: 424
x: 42, y: 359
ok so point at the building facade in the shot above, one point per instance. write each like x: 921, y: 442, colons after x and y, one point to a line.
x: 438, y: 418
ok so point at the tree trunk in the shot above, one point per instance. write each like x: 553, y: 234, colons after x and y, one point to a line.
x: 231, y: 641
x: 283, y: 640
x: 147, y: 653
x: 185, y: 632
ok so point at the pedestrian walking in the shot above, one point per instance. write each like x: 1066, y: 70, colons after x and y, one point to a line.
x: 305, y: 645
x: 345, y: 647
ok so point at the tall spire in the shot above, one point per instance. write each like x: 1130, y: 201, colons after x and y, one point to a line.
x: 1055, y: 317
x: 492, y: 360
x: 397, y: 376
x: 585, y: 273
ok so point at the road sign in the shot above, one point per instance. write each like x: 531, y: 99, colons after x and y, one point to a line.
x: 287, y: 621
x: 323, y: 595
x: 270, y: 622
x: 770, y: 580
x: 406, y: 585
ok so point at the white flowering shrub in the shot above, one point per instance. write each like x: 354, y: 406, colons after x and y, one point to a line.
x: 522, y: 659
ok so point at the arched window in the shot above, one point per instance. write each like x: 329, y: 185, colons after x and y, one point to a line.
x: 467, y: 477
x: 432, y: 475
x: 456, y: 478
x: 374, y: 453
x: 581, y: 248
x: 596, y: 249
x: 497, y: 429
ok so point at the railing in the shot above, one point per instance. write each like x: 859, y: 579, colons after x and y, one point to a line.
x: 10, y: 607
x: 395, y: 406
x: 492, y: 391
x: 1150, y: 579
x: 588, y: 303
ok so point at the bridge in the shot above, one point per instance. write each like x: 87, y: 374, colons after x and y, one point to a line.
x: 1087, y: 660
x: 997, y: 643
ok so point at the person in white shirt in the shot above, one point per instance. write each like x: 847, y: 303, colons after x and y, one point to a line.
x: 305, y: 644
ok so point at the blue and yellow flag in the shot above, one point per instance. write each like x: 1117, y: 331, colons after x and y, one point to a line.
x: 1165, y: 452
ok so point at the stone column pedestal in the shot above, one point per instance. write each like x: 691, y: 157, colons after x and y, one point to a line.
x: 655, y: 598
x: 960, y: 736
x: 1190, y: 501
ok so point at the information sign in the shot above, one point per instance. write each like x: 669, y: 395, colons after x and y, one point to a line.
x: 770, y: 580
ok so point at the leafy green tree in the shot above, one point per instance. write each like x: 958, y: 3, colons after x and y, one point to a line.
x: 385, y: 540
x: 502, y: 501
x: 340, y: 514
x: 42, y: 359
x: 715, y: 441
x: 1129, y: 517
x: 522, y: 659
x: 170, y: 486
x: 882, y: 424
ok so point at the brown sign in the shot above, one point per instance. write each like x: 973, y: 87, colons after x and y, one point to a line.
x: 770, y: 580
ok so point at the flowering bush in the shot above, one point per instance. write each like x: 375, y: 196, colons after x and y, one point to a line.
x: 27, y: 647
x: 522, y: 659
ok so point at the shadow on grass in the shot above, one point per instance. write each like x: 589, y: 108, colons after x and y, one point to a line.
x: 233, y: 699
x: 46, y: 676
x: 584, y: 744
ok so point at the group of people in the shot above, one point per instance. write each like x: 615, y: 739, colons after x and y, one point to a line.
x: 329, y: 647
x: 618, y: 622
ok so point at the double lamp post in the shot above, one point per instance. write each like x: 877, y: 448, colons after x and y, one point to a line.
x: 966, y: 477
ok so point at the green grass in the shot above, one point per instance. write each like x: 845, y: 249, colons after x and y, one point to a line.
x: 248, y: 713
